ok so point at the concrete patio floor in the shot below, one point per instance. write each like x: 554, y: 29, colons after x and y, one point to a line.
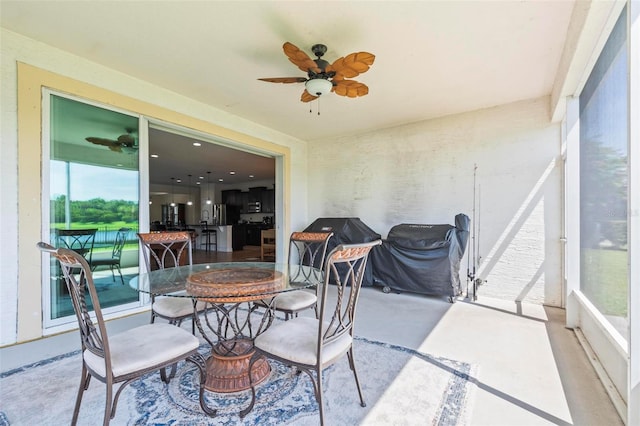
x: 531, y: 370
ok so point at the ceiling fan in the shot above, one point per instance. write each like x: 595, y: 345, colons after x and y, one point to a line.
x: 323, y: 77
x: 124, y: 143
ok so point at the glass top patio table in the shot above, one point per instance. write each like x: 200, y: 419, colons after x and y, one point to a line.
x: 216, y: 282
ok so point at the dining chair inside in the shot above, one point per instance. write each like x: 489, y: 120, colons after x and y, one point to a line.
x: 208, y: 236
x: 163, y: 250
x: 305, y: 248
x: 126, y: 356
x: 312, y: 344
x: 268, y: 245
x: 113, y: 262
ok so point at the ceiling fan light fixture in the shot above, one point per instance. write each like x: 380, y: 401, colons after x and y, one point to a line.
x: 324, y: 77
x: 318, y: 86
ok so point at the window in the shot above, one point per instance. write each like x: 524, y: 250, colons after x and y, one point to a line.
x: 604, y: 181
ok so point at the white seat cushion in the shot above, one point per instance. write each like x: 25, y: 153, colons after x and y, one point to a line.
x: 297, y: 340
x: 175, y: 307
x: 143, y: 347
x: 295, y: 300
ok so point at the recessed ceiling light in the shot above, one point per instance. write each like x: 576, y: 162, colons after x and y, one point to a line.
x: 220, y: 180
x: 232, y: 173
x: 154, y: 155
x: 197, y: 183
x: 178, y: 180
x: 197, y: 144
x: 251, y: 176
x: 201, y: 177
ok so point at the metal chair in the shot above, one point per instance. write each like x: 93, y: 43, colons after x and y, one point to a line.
x: 305, y: 248
x: 165, y: 250
x: 126, y: 356
x: 208, y: 237
x: 79, y: 240
x: 116, y: 253
x: 312, y: 344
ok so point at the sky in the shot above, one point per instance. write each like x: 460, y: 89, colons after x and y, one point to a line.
x: 89, y: 182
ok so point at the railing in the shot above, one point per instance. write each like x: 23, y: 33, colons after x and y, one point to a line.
x: 106, y: 235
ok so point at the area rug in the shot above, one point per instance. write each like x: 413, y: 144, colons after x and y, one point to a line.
x: 400, y: 386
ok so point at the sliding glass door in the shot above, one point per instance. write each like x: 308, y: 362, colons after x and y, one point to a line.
x: 91, y: 181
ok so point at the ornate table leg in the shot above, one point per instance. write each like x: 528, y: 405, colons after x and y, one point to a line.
x: 228, y: 367
x: 226, y: 324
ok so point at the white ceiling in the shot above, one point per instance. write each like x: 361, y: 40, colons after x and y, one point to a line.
x: 433, y: 58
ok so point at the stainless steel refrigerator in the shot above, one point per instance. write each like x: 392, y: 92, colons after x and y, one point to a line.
x: 219, y: 216
x: 215, y: 214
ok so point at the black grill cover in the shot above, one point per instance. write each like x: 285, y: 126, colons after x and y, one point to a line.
x: 346, y: 230
x: 422, y: 258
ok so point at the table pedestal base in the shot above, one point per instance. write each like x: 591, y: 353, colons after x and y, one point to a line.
x: 230, y: 372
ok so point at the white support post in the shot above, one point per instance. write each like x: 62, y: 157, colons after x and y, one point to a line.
x: 633, y: 226
x: 572, y: 209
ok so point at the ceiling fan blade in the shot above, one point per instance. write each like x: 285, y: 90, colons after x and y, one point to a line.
x: 111, y: 144
x: 350, y: 88
x: 284, y: 79
x: 101, y: 141
x: 300, y: 59
x: 307, y: 97
x: 352, y: 65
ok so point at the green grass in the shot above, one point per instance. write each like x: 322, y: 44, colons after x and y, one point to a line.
x: 110, y: 226
x: 604, y: 279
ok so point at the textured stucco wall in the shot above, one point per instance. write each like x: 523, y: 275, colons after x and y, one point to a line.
x: 423, y: 173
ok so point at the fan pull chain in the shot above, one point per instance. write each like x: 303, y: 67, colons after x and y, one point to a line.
x: 311, y: 106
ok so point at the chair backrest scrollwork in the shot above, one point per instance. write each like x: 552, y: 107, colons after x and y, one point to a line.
x: 79, y: 240
x: 79, y: 281
x: 308, y: 249
x: 166, y: 249
x: 344, y: 267
x: 121, y: 239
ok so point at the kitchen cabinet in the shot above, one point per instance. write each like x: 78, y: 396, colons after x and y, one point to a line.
x: 233, y: 197
x: 247, y: 201
x: 254, y: 200
x: 239, y: 236
x: 253, y: 233
x: 255, y: 194
x: 244, y: 200
x: 268, y: 200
